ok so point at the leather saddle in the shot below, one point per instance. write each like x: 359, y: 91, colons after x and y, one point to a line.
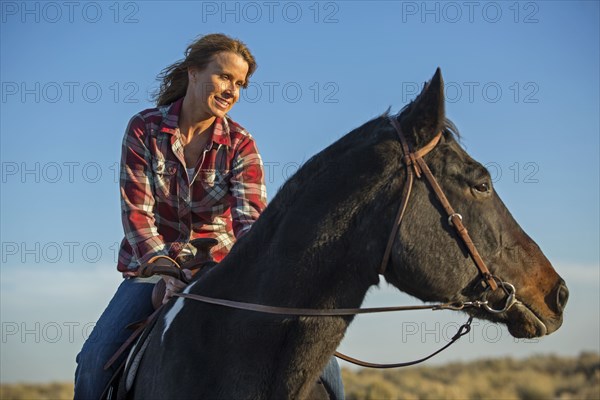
x: 197, y: 261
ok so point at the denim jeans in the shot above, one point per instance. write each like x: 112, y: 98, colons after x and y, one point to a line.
x: 132, y: 303
x: 332, y: 379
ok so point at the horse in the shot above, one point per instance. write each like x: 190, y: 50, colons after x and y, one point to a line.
x: 319, y: 244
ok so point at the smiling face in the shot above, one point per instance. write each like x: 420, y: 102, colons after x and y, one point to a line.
x: 214, y: 90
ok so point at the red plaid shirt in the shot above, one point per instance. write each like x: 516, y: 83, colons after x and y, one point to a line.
x: 163, y: 209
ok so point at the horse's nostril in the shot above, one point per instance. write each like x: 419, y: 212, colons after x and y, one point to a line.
x: 562, y: 296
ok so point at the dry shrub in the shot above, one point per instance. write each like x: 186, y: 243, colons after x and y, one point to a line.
x: 25, y: 391
x: 539, y: 378
x: 368, y: 386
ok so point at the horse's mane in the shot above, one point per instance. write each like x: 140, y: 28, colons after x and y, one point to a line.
x: 354, y: 141
x: 315, y: 179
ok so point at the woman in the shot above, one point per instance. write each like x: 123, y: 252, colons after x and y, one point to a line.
x: 187, y: 171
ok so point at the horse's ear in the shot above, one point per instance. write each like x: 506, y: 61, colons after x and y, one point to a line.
x: 424, y: 117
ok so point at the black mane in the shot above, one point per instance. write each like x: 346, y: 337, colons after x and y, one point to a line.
x: 331, y: 162
x: 325, y: 176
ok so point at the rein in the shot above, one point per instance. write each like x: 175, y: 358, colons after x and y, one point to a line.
x: 311, y: 312
x: 509, y: 289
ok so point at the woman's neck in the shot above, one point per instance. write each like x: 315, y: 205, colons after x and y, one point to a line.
x: 190, y: 124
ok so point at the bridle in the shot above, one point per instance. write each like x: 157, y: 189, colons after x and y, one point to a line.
x: 420, y: 168
x: 415, y: 166
x: 415, y: 160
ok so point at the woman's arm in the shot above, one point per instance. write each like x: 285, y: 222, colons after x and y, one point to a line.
x: 249, y: 194
x: 137, y: 198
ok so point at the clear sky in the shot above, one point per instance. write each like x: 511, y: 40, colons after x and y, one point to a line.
x: 522, y: 85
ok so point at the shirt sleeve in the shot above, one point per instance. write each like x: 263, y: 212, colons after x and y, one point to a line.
x: 248, y: 190
x: 137, y: 199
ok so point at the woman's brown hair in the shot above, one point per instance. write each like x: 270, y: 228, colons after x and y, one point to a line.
x: 174, y: 78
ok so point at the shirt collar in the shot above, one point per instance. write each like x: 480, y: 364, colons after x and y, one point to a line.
x: 170, y: 120
x: 170, y: 123
x: 221, y: 132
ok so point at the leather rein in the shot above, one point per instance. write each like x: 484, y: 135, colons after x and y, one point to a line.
x: 415, y: 166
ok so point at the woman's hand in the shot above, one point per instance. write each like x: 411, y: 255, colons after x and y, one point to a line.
x: 174, y: 285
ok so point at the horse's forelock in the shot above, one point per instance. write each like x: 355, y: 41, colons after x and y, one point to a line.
x: 451, y: 130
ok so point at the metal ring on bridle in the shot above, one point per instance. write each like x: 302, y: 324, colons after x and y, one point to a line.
x: 511, y: 299
x: 450, y: 218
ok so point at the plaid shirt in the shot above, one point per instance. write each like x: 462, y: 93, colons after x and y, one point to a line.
x: 163, y: 209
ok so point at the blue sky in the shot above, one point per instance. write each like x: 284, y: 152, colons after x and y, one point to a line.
x: 522, y: 85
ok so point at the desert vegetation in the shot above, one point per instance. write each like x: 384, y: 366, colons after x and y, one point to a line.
x: 534, y: 378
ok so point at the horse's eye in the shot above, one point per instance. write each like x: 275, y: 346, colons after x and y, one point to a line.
x: 482, y: 187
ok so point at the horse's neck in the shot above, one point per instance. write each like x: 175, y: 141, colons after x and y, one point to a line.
x: 315, y: 279
x: 323, y: 276
x: 308, y: 343
x: 299, y: 260
x: 305, y: 250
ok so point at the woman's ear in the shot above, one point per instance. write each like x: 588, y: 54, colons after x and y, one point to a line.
x: 191, y: 71
x: 424, y: 117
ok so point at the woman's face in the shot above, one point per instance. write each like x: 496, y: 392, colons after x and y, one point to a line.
x: 216, y: 88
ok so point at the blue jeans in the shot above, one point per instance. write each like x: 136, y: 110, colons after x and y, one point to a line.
x: 332, y: 379
x: 131, y: 303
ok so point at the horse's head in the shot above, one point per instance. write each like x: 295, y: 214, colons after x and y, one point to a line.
x: 429, y: 260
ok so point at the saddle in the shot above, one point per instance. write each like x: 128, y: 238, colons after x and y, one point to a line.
x: 164, y: 266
